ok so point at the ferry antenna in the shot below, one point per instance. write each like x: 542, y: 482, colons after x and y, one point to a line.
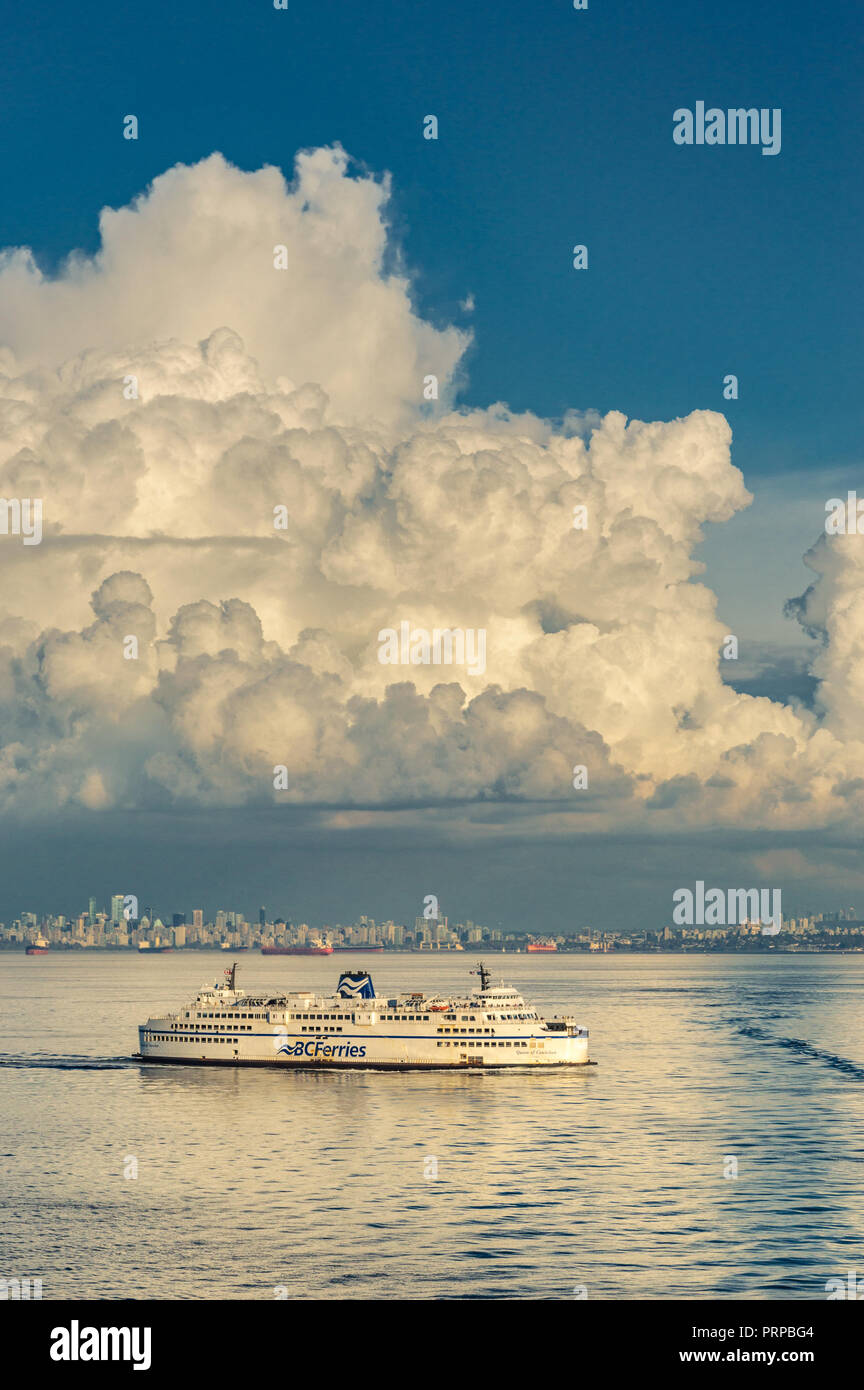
x: 485, y: 975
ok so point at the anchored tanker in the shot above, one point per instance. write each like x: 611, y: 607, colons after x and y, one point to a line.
x: 487, y: 1027
x: 315, y: 948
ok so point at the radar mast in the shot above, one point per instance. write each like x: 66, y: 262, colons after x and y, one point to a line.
x: 485, y: 976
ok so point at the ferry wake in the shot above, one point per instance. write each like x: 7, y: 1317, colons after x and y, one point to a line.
x: 490, y: 1026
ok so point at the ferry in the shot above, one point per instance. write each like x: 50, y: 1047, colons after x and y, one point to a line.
x: 488, y: 1027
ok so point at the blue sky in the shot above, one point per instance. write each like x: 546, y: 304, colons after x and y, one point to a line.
x: 555, y: 128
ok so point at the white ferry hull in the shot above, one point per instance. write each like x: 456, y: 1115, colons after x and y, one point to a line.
x: 296, y: 1052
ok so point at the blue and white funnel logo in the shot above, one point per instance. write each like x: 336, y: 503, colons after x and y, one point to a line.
x: 355, y: 984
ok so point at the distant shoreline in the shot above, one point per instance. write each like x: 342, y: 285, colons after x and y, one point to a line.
x: 756, y: 950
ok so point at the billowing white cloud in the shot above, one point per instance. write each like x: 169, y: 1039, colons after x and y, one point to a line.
x: 275, y: 495
x: 198, y: 251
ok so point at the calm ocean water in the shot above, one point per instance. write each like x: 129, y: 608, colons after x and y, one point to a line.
x: 610, y: 1177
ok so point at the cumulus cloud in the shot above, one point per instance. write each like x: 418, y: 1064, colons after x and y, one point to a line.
x: 275, y: 494
x: 196, y: 252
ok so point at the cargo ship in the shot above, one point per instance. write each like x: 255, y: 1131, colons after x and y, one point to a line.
x: 545, y: 945
x: 39, y: 947
x: 316, y: 948
x: 491, y: 1027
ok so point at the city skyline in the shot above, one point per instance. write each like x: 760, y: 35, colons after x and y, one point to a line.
x: 118, y: 928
